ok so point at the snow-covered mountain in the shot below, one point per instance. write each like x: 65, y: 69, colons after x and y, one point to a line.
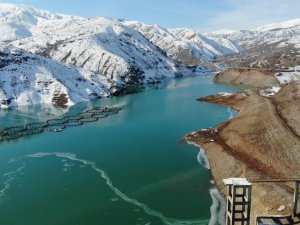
x: 79, y: 59
x: 20, y: 21
x: 236, y: 35
x: 27, y: 79
x: 275, y: 45
x: 290, y: 24
x: 185, y: 44
x: 267, y: 34
x: 100, y: 45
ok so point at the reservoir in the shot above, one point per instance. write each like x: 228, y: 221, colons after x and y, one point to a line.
x: 127, y: 169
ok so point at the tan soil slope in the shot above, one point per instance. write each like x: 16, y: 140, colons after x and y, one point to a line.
x: 262, y: 140
x: 248, y: 77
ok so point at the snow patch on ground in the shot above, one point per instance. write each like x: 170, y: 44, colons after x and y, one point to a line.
x: 225, y: 94
x: 287, y: 77
x: 269, y: 91
x: 218, y: 207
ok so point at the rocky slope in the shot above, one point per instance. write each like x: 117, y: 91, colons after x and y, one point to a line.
x: 27, y: 79
x: 186, y: 45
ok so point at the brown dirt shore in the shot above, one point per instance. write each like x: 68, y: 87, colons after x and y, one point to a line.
x: 263, y: 140
x: 247, y: 76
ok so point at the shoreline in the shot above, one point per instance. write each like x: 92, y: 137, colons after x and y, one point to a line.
x: 251, y: 144
x: 218, y: 207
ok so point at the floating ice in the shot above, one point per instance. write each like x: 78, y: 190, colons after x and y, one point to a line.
x: 201, y: 157
x: 121, y: 195
x: 11, y: 176
x: 217, y: 208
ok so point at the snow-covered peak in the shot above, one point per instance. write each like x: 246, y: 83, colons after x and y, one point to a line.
x: 216, y: 46
x: 20, y: 21
x: 223, y: 32
x: 276, y: 26
x: 281, y: 33
x: 86, y: 58
x: 142, y: 26
x: 30, y: 14
x: 105, y: 46
x: 185, y: 33
x: 37, y: 28
x: 234, y: 35
x: 185, y: 45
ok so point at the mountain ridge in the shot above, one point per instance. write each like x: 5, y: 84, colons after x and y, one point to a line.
x: 184, y: 44
x: 272, y: 46
x: 105, y: 47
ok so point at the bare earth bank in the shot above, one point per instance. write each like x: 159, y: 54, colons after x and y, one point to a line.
x: 247, y: 76
x: 263, y: 140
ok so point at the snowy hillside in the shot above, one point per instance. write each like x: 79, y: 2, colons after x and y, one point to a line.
x: 103, y: 46
x: 215, y: 46
x: 279, y: 26
x: 288, y: 76
x: 236, y: 35
x: 20, y: 21
x: 27, y: 79
x: 99, y: 45
x: 267, y: 34
x: 275, y: 45
x: 65, y: 59
x: 185, y: 44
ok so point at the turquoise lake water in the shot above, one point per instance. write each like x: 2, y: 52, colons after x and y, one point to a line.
x: 127, y: 169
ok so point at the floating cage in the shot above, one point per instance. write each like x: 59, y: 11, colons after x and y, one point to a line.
x: 56, y: 121
x: 88, y: 119
x: 100, y: 115
x: 112, y: 110
x: 35, y: 126
x: 15, y: 129
x: 6, y: 131
x: 87, y: 115
x: 58, y: 124
x: 12, y: 136
x: 3, y: 132
x: 73, y: 118
x: 92, y: 110
x: 32, y: 131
